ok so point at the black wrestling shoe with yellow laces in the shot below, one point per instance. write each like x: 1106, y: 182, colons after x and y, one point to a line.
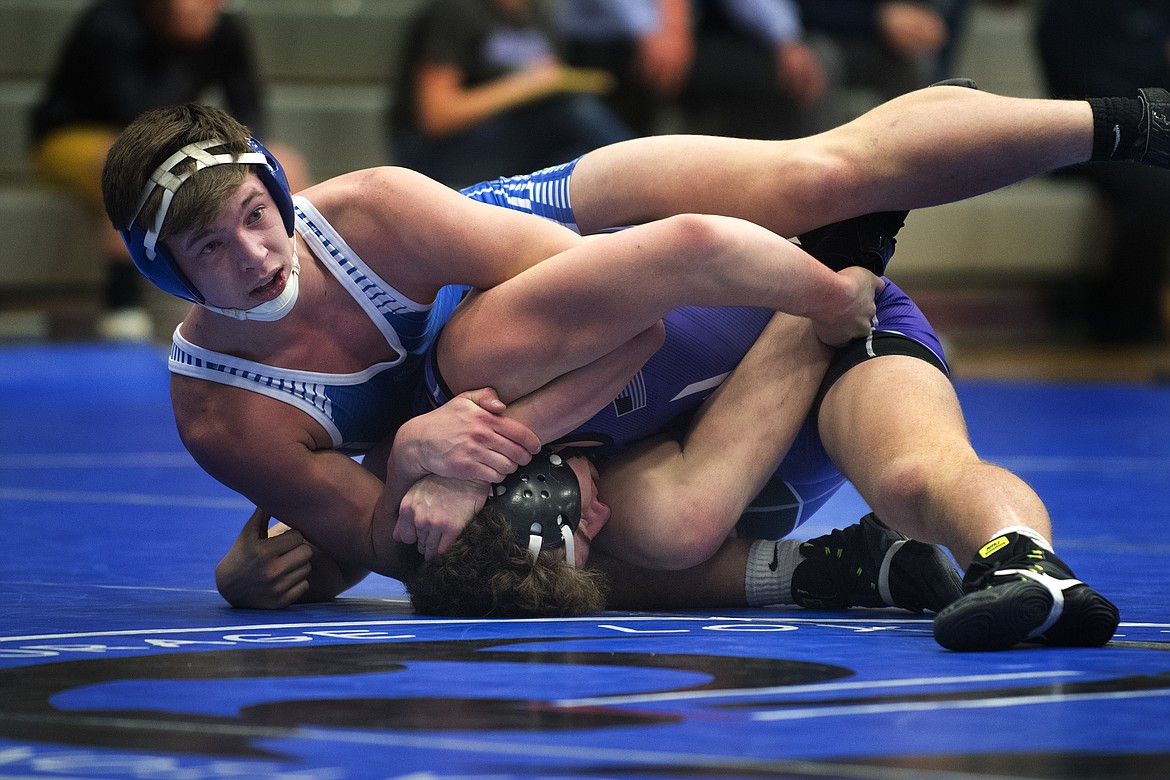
x: 1019, y: 592
x: 870, y: 565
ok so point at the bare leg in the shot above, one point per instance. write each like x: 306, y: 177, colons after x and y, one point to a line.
x: 912, y: 462
x: 675, y: 503
x: 915, y: 465
x: 920, y: 474
x: 921, y: 149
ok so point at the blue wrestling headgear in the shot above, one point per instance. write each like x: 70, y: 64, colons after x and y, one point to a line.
x: 152, y: 258
x: 542, y: 502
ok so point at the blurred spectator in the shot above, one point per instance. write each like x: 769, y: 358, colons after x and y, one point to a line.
x: 482, y: 93
x: 121, y: 58
x: 1113, y: 47
x: 733, y: 67
x: 886, y: 47
x: 754, y: 75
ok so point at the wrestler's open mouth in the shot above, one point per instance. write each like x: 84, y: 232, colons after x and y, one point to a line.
x: 271, y: 288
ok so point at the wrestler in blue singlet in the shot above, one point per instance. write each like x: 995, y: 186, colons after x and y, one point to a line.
x: 358, y: 409
x: 702, y: 346
x: 365, y: 407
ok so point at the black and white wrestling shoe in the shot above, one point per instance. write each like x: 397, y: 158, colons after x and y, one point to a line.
x: 870, y: 565
x: 1017, y: 591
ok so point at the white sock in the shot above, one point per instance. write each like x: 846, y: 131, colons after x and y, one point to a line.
x: 769, y: 571
x: 1031, y: 533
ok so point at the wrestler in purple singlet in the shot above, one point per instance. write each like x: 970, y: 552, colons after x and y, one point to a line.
x: 702, y: 346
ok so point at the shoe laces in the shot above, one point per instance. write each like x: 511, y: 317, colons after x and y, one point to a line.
x: 848, y: 549
x: 1006, y: 557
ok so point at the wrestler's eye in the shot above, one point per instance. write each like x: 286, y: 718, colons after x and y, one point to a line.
x: 210, y: 247
x: 257, y: 214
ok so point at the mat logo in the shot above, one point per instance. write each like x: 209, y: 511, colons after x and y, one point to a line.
x: 244, y: 691
x: 42, y: 761
x: 404, y: 685
x: 282, y: 634
x: 179, y: 640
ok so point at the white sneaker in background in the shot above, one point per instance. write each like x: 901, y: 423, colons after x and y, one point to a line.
x: 125, y: 325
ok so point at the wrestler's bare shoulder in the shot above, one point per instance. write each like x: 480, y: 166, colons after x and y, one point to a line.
x: 372, y: 191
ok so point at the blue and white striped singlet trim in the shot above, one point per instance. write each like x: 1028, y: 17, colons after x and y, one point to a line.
x: 355, y: 409
x: 402, y: 321
x: 338, y: 402
x: 544, y: 193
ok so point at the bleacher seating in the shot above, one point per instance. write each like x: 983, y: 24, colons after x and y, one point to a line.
x: 329, y: 64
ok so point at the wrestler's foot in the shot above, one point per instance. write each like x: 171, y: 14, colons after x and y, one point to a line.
x: 956, y: 82
x: 1153, y: 140
x: 867, y: 241
x: 1019, y: 592
x: 870, y: 565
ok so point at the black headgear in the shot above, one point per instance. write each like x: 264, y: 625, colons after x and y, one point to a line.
x: 542, y: 501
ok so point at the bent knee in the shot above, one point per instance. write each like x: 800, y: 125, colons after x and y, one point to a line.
x: 698, y: 234
x: 910, y: 485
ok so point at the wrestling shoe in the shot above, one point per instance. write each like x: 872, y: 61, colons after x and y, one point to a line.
x: 870, y: 565
x: 867, y: 241
x: 1019, y: 592
x: 956, y: 82
x: 1153, y: 140
x: 126, y: 324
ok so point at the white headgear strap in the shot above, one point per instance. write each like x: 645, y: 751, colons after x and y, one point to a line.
x: 535, y: 539
x: 170, y: 182
x: 570, y: 551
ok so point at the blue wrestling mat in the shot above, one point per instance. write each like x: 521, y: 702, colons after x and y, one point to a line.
x: 119, y: 660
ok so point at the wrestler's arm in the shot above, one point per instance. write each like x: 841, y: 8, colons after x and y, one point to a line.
x: 541, y: 278
x: 272, y: 454
x: 271, y: 567
x: 430, y: 510
x: 420, y: 235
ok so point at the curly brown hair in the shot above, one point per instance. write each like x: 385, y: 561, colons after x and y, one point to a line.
x: 487, y: 573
